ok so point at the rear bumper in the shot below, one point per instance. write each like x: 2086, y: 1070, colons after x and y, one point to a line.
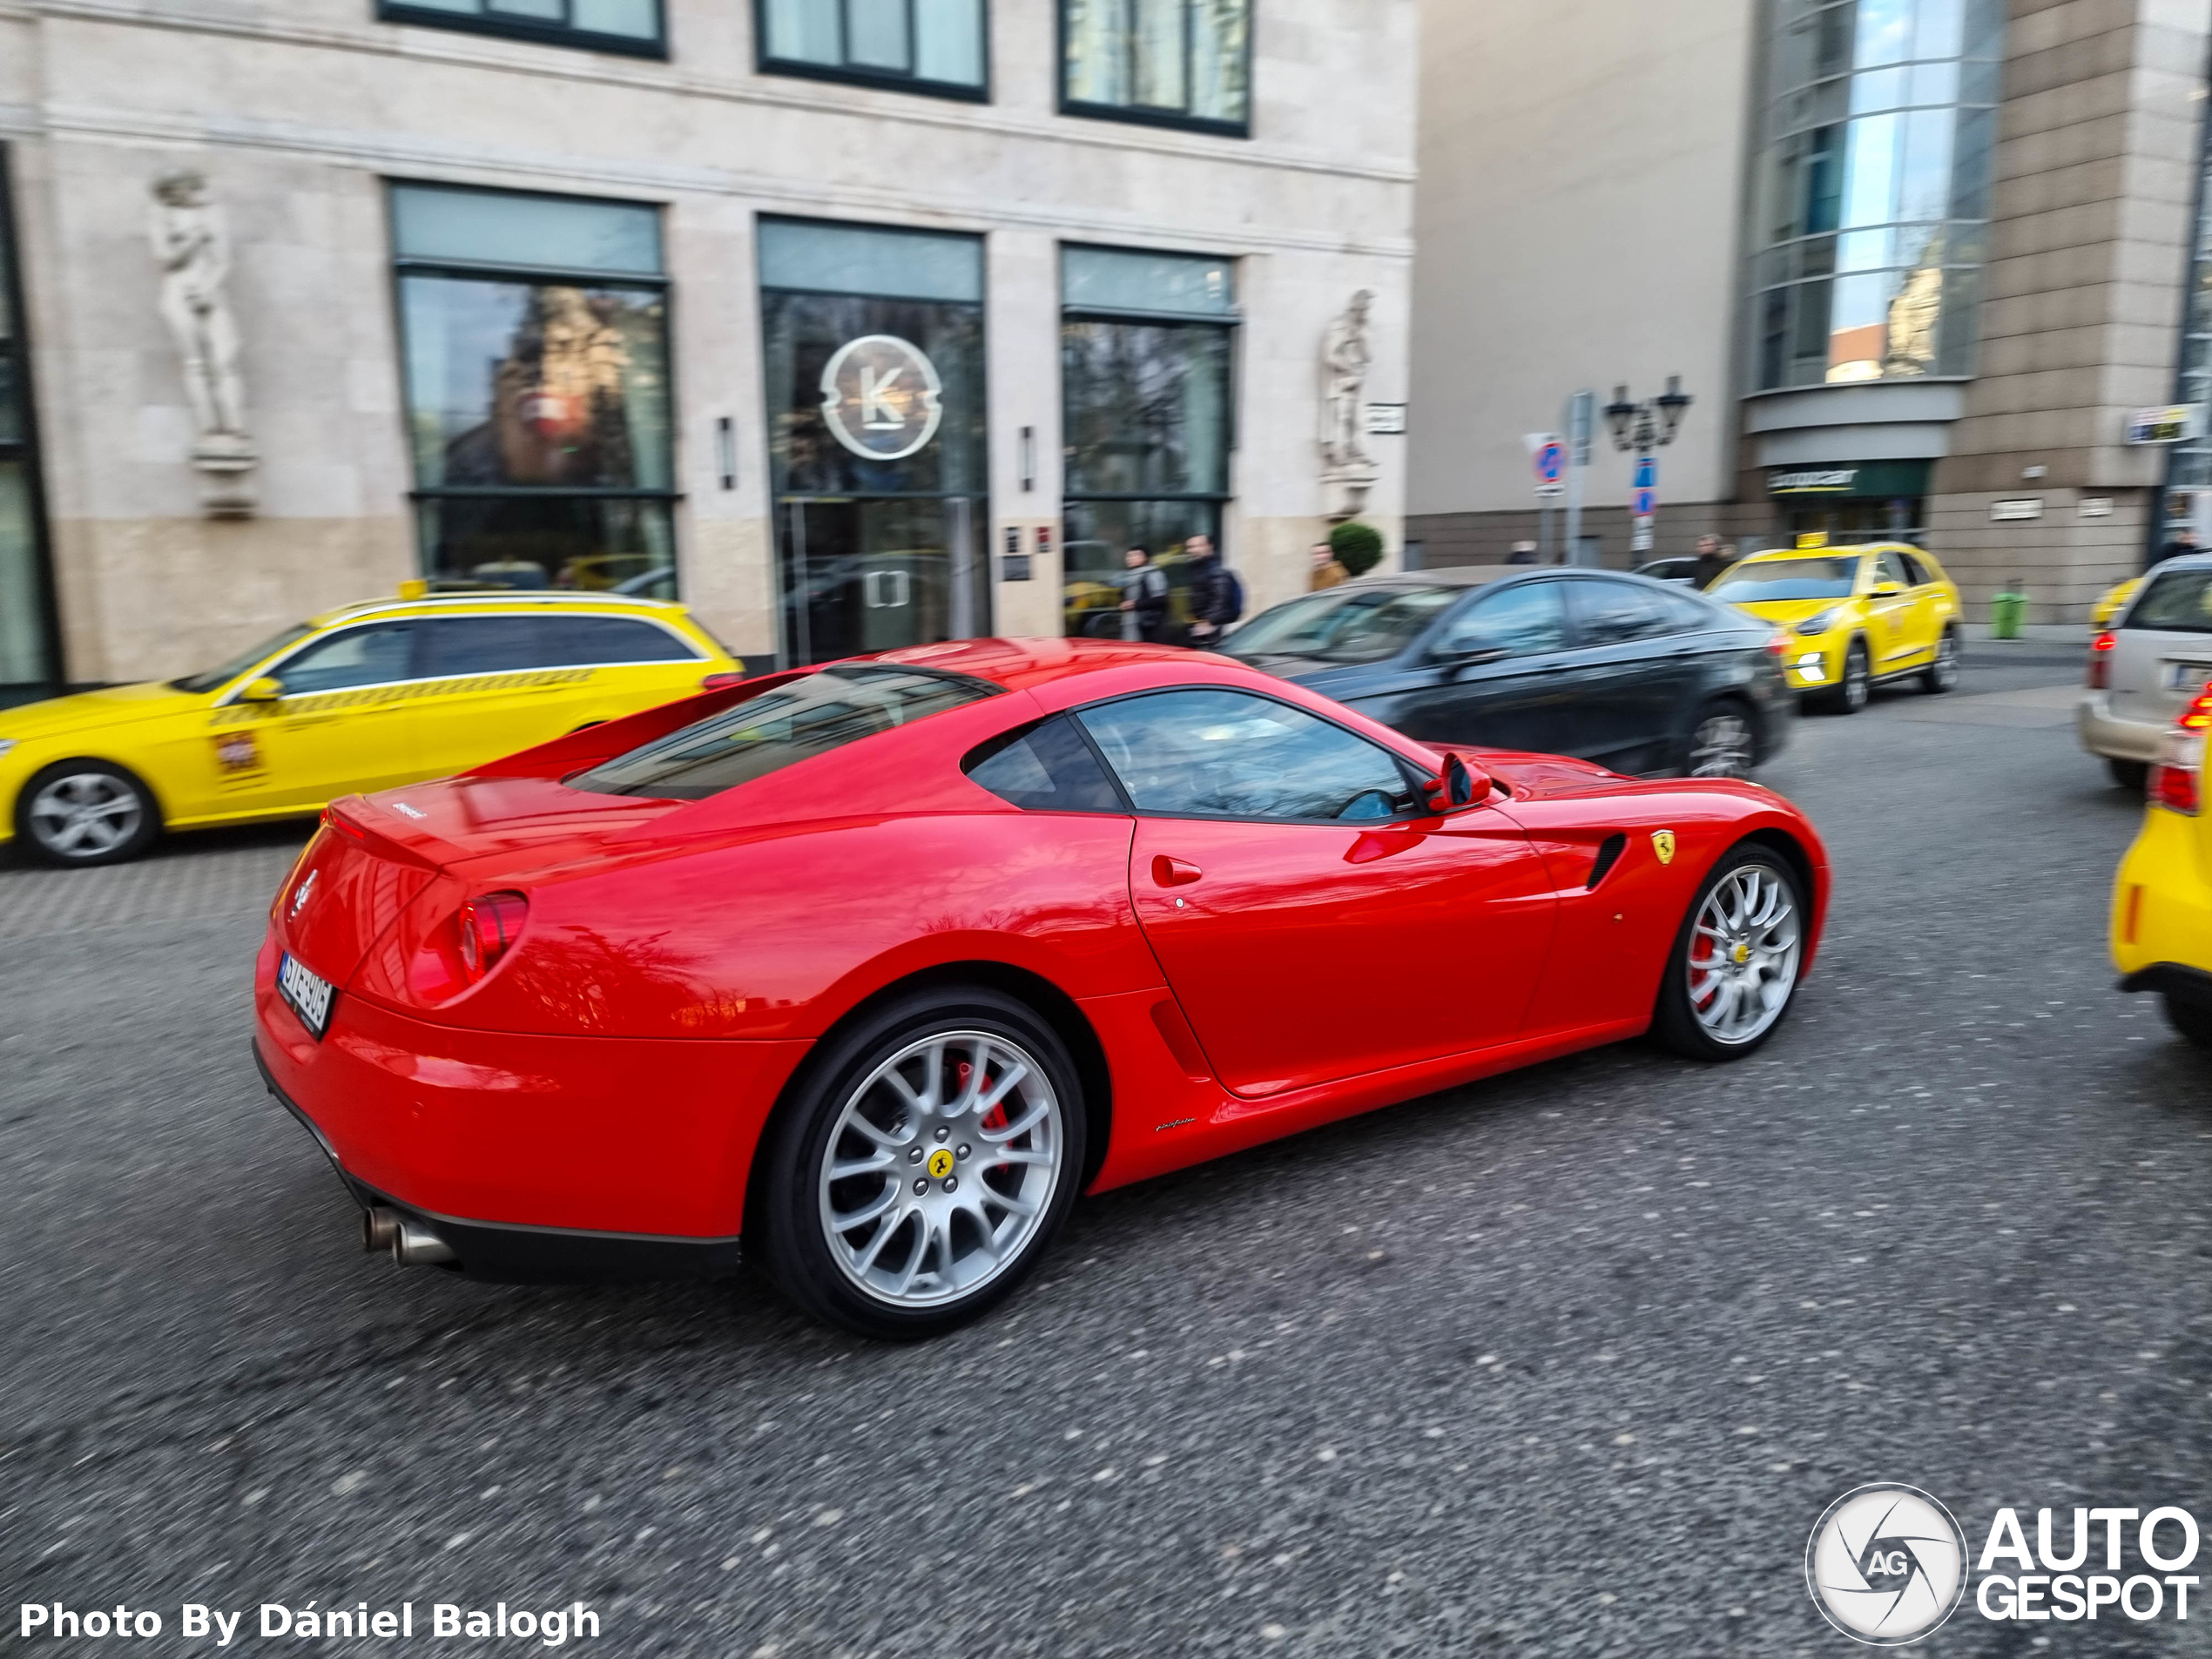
x: 2105, y: 733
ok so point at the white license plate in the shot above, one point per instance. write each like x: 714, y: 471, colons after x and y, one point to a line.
x: 305, y: 994
x: 2187, y: 676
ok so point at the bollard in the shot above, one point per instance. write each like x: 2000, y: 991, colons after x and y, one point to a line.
x: 2006, y: 611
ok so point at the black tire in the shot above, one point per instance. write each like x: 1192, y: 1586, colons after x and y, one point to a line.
x: 1723, y: 741
x: 2191, y: 1018
x: 1675, y: 1023
x: 2134, y: 776
x: 1856, y: 687
x: 787, y: 1232
x: 1942, y: 674
x: 67, y: 812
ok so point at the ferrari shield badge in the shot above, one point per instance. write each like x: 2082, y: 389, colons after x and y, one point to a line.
x: 1662, y: 843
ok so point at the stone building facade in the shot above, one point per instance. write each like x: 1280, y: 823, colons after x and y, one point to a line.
x: 849, y: 324
x: 1919, y: 260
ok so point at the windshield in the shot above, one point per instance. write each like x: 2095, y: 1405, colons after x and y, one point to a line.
x: 1342, y: 625
x: 788, y: 724
x: 2177, y: 602
x: 1756, y: 581
x: 238, y: 665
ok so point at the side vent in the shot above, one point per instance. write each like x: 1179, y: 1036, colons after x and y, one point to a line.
x: 1608, y: 854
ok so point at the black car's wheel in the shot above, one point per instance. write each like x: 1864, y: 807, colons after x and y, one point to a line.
x: 2191, y: 1018
x: 80, y: 812
x: 1732, y: 971
x: 922, y: 1166
x: 1942, y: 674
x: 2134, y: 776
x: 1857, y: 684
x: 1722, y: 742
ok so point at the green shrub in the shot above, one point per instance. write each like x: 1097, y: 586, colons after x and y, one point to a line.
x: 1359, y: 547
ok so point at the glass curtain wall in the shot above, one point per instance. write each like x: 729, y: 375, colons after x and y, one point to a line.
x: 28, y: 666
x: 536, y: 335
x: 1872, y: 200
x: 2189, y: 462
x: 917, y: 45
x: 876, y: 419
x: 1146, y: 365
x: 1183, y: 63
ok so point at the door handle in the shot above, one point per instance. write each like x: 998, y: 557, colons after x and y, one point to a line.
x: 1173, y: 872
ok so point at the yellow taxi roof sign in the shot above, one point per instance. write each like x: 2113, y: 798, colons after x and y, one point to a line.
x: 1813, y: 538
x: 414, y: 589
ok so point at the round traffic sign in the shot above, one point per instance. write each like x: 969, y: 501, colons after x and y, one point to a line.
x: 1642, y: 502
x: 1551, y: 461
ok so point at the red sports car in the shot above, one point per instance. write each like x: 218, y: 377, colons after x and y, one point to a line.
x: 875, y: 965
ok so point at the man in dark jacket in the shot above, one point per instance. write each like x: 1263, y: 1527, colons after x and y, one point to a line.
x: 1712, y: 561
x: 1213, y: 592
x: 2182, y: 541
x: 1145, y: 610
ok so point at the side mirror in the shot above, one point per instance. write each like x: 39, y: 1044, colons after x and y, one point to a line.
x: 267, y: 689
x: 1884, y: 589
x: 1462, y: 784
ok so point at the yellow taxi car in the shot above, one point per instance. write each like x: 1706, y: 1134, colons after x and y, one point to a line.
x: 1852, y: 617
x: 2161, y: 902
x: 2102, y: 612
x: 360, y: 699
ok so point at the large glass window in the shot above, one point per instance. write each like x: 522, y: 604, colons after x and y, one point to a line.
x: 876, y: 432
x: 536, y: 332
x: 1146, y: 351
x: 915, y: 45
x: 633, y: 26
x: 2189, y: 462
x: 1872, y: 207
x: 28, y: 664
x: 1182, y: 63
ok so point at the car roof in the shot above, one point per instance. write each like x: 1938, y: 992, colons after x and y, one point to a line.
x: 431, y: 604
x: 2179, y: 562
x: 1838, y: 549
x: 1443, y: 575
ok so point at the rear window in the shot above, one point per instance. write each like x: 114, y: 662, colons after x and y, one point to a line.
x: 791, y: 723
x: 1764, y: 580
x: 497, y: 645
x: 2176, y: 602
x: 1342, y: 624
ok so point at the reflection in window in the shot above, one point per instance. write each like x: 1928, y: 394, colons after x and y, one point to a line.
x: 603, y: 25
x: 1181, y: 61
x: 1230, y: 754
x: 1343, y: 624
x: 1523, y: 621
x: 1873, y: 188
x: 538, y: 402
x: 932, y: 45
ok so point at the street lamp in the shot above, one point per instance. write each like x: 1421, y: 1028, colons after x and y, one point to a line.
x: 1645, y: 427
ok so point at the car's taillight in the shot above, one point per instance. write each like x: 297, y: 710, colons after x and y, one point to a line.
x: 722, y: 682
x: 2098, y: 677
x: 487, y: 926
x: 2177, y: 782
x: 1779, y: 646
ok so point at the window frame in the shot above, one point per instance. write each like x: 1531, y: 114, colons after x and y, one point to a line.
x: 405, y: 266
x: 23, y: 450
x: 1022, y: 734
x: 542, y: 34
x: 1439, y: 631
x: 1147, y: 114
x: 1407, y: 768
x: 766, y: 63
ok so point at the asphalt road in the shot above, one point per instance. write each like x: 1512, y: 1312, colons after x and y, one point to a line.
x: 1566, y: 1363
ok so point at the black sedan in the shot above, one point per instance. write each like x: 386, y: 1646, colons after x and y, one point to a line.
x: 1637, y: 675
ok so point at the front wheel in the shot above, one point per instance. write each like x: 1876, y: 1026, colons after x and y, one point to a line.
x: 82, y: 812
x: 1732, y: 972
x: 924, y: 1166
x: 1942, y: 674
x: 2192, y: 1019
x: 1856, y: 685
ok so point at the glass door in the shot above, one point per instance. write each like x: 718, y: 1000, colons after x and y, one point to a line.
x: 864, y: 575
x: 28, y: 660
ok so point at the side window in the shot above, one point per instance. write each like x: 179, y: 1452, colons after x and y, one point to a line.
x: 1047, y: 768
x: 1916, y: 574
x: 1520, y: 622
x: 371, y: 656
x: 1691, y: 615
x: 1888, y: 568
x: 1612, y: 613
x: 1206, y: 753
x: 453, y: 645
x: 577, y: 641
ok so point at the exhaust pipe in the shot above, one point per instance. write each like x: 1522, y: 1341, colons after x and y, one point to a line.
x: 380, y: 1228
x: 415, y: 1245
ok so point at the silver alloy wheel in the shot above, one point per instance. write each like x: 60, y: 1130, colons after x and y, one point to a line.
x: 1744, y: 953
x: 1858, y: 680
x: 1722, y: 747
x: 941, y: 1167
x: 84, y: 814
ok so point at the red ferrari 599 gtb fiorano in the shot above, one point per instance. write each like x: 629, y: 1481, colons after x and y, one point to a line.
x: 877, y: 965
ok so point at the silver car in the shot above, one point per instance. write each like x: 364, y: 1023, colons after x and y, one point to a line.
x: 2144, y: 669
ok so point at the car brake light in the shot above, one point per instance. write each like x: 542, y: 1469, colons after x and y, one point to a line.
x: 2175, y: 780
x: 487, y: 926
x: 1779, y: 646
x: 722, y: 682
x: 2098, y: 678
x: 2173, y: 788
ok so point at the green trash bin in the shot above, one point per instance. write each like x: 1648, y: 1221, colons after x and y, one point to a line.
x: 2007, y: 611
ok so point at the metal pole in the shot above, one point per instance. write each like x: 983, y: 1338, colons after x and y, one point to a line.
x: 1580, y: 408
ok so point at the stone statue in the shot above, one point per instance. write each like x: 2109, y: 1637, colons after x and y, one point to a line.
x: 1348, y: 470
x: 192, y: 249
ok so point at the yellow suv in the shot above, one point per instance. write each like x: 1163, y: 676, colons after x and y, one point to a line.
x: 2162, y: 903
x: 1852, y: 617
x: 364, y: 698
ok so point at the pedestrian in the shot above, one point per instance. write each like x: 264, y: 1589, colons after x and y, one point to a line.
x: 1523, y: 553
x: 1144, y: 612
x: 1328, y: 570
x: 1711, y: 561
x: 2182, y: 541
x: 1217, y: 597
